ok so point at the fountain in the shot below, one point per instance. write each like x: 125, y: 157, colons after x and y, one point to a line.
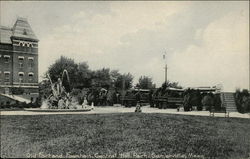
x: 60, y: 98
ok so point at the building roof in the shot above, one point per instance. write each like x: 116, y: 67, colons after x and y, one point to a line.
x: 5, y: 34
x: 21, y: 29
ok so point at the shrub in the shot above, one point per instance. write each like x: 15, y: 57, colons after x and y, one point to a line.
x: 192, y: 98
x: 208, y: 101
x: 17, y: 91
x: 186, y: 102
x: 246, y: 104
x: 242, y: 101
x: 217, y: 102
x: 199, y: 107
x: 75, y: 92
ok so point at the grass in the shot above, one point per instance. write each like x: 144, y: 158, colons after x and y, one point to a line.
x: 124, y: 135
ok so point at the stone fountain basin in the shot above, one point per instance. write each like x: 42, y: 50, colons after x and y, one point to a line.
x: 58, y: 110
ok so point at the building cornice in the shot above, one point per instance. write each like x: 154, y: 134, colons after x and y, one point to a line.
x: 18, y: 52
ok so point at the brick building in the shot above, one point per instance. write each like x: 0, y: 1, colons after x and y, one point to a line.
x: 19, y: 59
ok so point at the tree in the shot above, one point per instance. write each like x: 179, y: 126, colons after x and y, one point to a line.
x: 171, y: 84
x: 56, y: 70
x: 83, y: 76
x: 145, y: 83
x: 124, y: 81
x: 114, y: 75
x: 101, y: 78
x: 79, y: 74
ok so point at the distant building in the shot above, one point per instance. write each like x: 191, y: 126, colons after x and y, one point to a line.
x: 19, y: 59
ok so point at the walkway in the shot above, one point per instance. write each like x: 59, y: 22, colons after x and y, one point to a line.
x: 119, y: 109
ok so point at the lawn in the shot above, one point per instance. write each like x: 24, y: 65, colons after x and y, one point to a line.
x: 124, y: 135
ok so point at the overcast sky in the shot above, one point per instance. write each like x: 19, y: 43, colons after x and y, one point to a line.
x: 207, y: 43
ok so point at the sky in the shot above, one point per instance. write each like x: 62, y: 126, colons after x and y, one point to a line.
x: 206, y: 42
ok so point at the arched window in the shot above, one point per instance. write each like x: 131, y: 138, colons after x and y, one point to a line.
x: 21, y: 58
x: 21, y: 74
x: 6, y: 58
x: 6, y: 77
x: 31, y: 62
x: 31, y: 75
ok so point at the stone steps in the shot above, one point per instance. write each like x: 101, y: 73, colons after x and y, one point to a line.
x: 228, y: 101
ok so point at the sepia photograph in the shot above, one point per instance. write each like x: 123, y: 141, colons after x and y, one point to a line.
x: 125, y: 79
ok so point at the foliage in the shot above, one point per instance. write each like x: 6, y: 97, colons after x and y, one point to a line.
x: 192, y: 98
x: 44, y: 89
x: 84, y: 75
x: 114, y: 75
x: 186, y: 102
x: 55, y: 71
x: 196, y: 98
x: 242, y: 100
x: 78, y: 94
x: 101, y: 78
x: 208, y: 101
x: 145, y: 83
x: 80, y: 76
x: 163, y: 89
x: 171, y: 84
x: 17, y: 90
x: 217, y: 102
x: 124, y: 81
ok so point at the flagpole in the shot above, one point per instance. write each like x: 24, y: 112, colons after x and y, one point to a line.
x: 166, y: 68
x: 166, y: 73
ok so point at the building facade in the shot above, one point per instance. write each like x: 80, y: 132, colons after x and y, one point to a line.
x: 19, y: 59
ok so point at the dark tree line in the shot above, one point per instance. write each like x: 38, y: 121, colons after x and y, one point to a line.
x: 81, y: 76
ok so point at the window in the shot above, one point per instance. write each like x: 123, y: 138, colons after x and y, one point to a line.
x: 31, y: 62
x: 31, y: 74
x: 20, y: 58
x: 6, y: 77
x: 21, y: 74
x: 6, y: 58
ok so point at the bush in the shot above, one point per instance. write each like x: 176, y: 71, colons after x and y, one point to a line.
x: 246, y: 104
x: 75, y: 92
x: 17, y: 91
x: 199, y: 107
x: 192, y: 98
x: 208, y: 101
x: 186, y: 102
x: 242, y: 101
x: 217, y: 102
